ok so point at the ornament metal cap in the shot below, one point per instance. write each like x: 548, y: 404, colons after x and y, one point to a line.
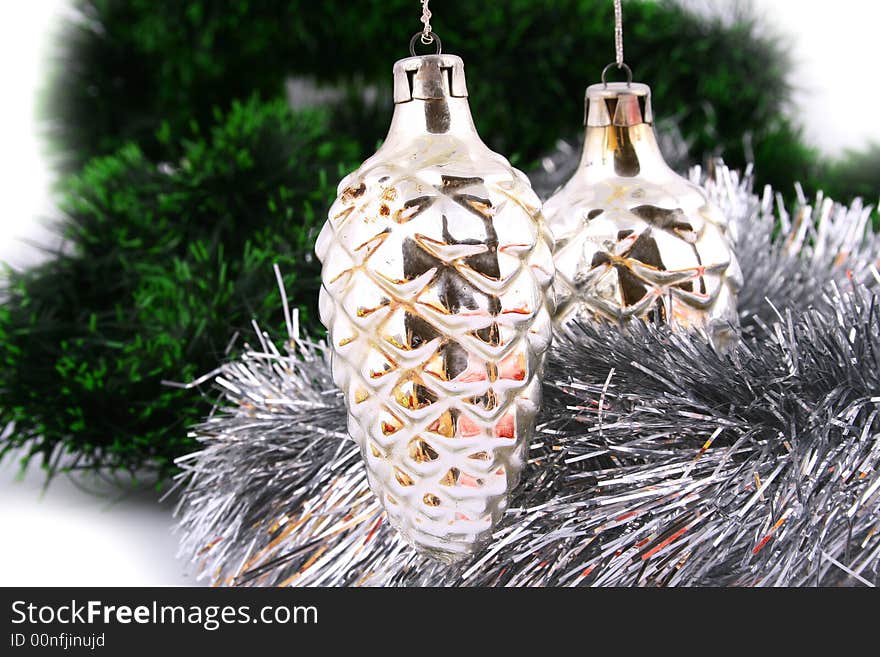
x: 429, y: 77
x: 619, y: 104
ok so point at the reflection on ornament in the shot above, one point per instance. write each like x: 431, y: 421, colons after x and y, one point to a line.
x: 633, y: 238
x: 436, y: 275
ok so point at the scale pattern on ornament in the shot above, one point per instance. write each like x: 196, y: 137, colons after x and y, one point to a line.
x: 630, y: 248
x: 436, y: 296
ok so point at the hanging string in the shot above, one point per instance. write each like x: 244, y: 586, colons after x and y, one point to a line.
x: 427, y: 33
x: 618, y: 46
x: 618, y: 32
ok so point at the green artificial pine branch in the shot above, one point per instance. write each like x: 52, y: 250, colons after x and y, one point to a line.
x: 164, y: 263
x: 857, y: 172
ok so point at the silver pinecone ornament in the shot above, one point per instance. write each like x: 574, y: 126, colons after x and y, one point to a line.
x: 436, y: 277
x: 633, y: 238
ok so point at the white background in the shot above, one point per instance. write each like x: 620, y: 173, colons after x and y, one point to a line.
x: 67, y: 536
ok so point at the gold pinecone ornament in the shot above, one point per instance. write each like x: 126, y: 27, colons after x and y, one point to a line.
x: 437, y: 270
x: 633, y: 238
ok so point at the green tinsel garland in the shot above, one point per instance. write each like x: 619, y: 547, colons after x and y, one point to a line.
x: 165, y: 262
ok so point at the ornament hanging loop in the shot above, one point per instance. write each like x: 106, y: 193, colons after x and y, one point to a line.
x: 629, y: 73
x: 419, y: 36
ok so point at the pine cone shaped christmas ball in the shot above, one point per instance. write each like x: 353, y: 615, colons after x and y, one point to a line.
x: 437, y: 270
x: 633, y: 238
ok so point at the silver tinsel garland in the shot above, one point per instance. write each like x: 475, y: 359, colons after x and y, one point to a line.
x: 658, y: 461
